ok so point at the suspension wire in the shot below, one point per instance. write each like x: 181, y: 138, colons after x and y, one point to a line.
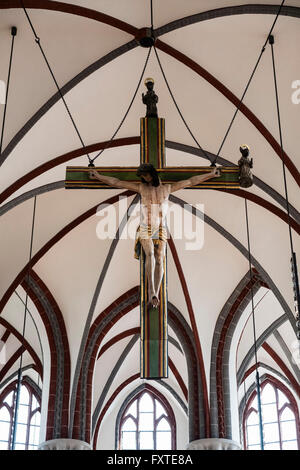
x: 151, y: 12
x: 245, y: 392
x: 254, y: 333
x: 36, y: 429
x: 240, y: 103
x: 170, y: 91
x: 271, y: 41
x: 249, y: 81
x: 293, y: 254
x: 19, y: 380
x: 180, y: 113
x: 13, y: 34
x: 245, y: 405
x: 38, y: 41
x: 126, y: 113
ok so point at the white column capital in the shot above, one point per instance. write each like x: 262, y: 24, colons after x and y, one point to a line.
x: 213, y: 444
x: 64, y: 444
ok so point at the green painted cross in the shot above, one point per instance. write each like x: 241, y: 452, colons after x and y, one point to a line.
x: 154, y: 336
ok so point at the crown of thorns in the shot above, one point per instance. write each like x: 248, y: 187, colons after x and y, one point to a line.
x: 146, y: 168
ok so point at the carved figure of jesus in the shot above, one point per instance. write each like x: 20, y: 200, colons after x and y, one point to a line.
x: 152, y: 232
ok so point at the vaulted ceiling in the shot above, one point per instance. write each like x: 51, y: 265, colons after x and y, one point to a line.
x: 208, y: 51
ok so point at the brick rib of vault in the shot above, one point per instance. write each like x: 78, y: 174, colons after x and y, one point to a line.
x: 215, y: 343
x: 226, y: 352
x: 60, y: 355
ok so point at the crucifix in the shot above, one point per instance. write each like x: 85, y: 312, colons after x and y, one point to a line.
x: 154, y: 181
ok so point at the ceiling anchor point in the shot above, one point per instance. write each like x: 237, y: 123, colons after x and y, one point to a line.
x: 145, y: 37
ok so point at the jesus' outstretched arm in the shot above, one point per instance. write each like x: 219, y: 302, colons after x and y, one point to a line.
x: 194, y: 180
x: 115, y: 182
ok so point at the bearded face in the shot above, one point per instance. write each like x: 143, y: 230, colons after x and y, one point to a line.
x: 147, y: 178
x: 148, y: 174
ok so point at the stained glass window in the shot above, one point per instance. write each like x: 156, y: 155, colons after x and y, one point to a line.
x: 280, y: 419
x: 28, y: 419
x: 146, y: 424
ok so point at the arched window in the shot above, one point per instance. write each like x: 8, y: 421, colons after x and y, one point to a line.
x: 280, y: 418
x: 148, y: 422
x: 28, y: 425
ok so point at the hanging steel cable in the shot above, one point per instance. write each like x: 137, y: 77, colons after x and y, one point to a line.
x: 205, y: 154
x: 151, y: 13
x: 244, y: 411
x: 271, y: 42
x: 38, y: 41
x: 13, y: 34
x: 170, y: 91
x: 293, y: 254
x: 249, y: 81
x: 254, y: 332
x: 19, y: 380
x: 213, y: 163
x: 126, y: 113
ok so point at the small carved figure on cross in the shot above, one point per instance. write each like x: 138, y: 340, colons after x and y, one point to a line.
x: 245, y: 164
x: 150, y: 98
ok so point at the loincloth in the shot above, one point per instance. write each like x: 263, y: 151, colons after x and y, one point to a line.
x: 143, y: 232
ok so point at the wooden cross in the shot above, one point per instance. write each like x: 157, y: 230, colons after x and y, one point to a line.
x: 154, y: 336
